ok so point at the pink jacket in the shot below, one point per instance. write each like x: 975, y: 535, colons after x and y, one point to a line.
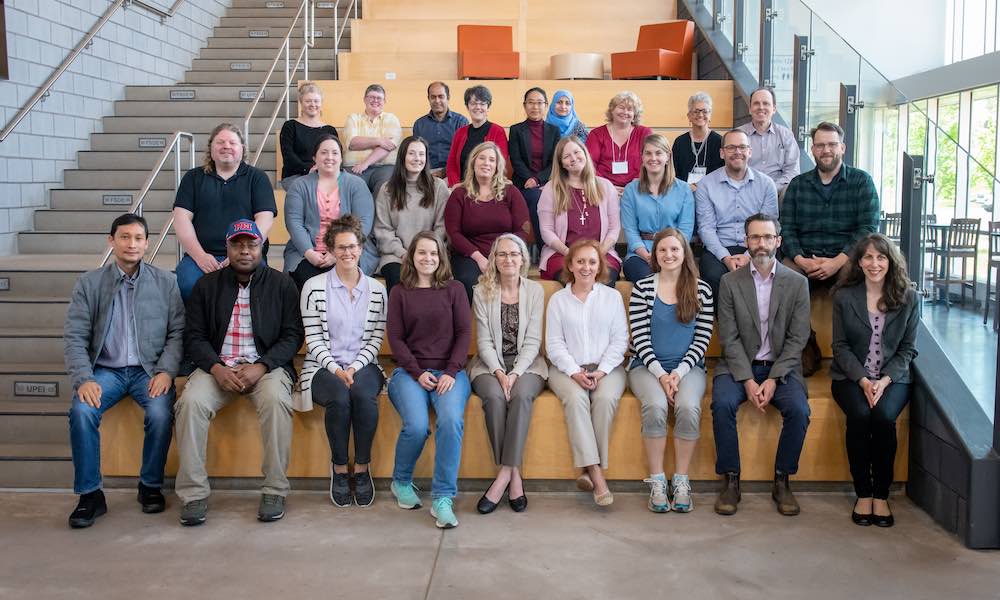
x: 554, y: 226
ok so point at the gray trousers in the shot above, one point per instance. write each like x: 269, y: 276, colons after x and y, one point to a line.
x: 653, y: 400
x: 197, y: 406
x: 589, y: 414
x: 375, y: 176
x: 507, y: 422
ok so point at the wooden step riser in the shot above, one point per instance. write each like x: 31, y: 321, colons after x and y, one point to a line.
x: 34, y: 387
x: 36, y: 474
x: 34, y: 429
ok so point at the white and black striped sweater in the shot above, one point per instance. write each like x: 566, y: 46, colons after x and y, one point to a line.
x: 640, y: 313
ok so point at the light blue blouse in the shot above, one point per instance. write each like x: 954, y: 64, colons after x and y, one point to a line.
x: 649, y: 214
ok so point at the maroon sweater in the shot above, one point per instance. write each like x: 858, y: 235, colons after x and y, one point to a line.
x: 475, y: 226
x: 429, y: 328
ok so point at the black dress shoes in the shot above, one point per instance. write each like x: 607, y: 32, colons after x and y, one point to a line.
x: 883, y: 520
x: 151, y: 499
x: 860, y: 519
x: 518, y: 504
x: 90, y: 506
x: 486, y: 506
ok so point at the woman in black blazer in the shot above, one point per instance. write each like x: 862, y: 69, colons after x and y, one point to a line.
x: 532, y: 145
x: 875, y: 315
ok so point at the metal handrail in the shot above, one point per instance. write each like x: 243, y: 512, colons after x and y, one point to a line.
x: 43, y: 90
x: 309, y: 38
x: 175, y: 144
x: 338, y: 30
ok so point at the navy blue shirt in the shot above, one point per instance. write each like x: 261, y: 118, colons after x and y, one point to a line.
x: 438, y: 135
x: 217, y: 202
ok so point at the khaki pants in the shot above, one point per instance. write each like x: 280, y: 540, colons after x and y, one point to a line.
x: 197, y: 406
x: 589, y: 414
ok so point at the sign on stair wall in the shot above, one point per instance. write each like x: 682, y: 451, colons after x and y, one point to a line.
x: 182, y: 94
x: 152, y: 142
x: 117, y: 200
x: 36, y: 388
x: 259, y: 33
x: 240, y: 66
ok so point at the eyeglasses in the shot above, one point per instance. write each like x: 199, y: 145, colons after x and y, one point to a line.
x: 477, y: 104
x: 700, y: 111
x: 505, y: 255
x: 348, y: 248
x: 373, y: 98
x: 734, y: 148
x: 766, y: 237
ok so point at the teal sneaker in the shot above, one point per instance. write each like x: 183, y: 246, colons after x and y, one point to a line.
x: 682, y: 493
x: 658, y: 501
x: 406, y: 495
x: 442, y: 511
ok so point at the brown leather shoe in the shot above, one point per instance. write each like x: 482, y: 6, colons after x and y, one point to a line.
x: 811, y: 356
x: 729, y: 495
x: 783, y: 497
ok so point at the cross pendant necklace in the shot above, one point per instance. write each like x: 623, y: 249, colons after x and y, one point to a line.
x: 583, y: 211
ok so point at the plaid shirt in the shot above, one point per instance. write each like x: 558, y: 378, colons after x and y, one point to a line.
x: 812, y: 225
x: 238, y: 346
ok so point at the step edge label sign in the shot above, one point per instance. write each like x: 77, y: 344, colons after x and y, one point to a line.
x: 49, y: 389
x: 259, y: 33
x: 324, y: 5
x: 152, y: 142
x: 4, y: 284
x: 274, y: 4
x: 240, y: 66
x: 117, y: 200
x: 182, y: 94
x: 248, y: 95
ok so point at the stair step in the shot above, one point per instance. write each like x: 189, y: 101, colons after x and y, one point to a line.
x: 43, y: 312
x: 231, y: 110
x: 52, y: 275
x: 168, y: 125
x: 225, y: 93
x: 248, y: 77
x: 256, y: 65
x: 240, y: 53
x: 295, y: 3
x: 145, y: 161
x: 289, y: 11
x: 91, y: 220
x: 94, y: 199
x: 37, y: 406
x: 94, y: 244
x: 265, y: 21
x: 35, y: 344
x: 129, y: 142
x: 28, y: 428
x: 324, y: 30
x: 272, y: 43
x: 42, y: 387
x: 55, y: 471
x: 130, y: 179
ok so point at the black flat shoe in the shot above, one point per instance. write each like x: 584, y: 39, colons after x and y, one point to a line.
x: 486, y: 506
x: 883, y: 520
x: 151, y: 499
x: 90, y: 506
x: 518, y: 504
x: 860, y: 519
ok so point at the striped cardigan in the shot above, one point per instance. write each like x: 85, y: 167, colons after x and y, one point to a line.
x: 313, y: 305
x: 640, y: 313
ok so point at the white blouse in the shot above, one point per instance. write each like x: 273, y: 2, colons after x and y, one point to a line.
x: 592, y: 332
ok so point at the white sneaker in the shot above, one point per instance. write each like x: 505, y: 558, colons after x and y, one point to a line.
x: 658, y: 501
x: 682, y: 493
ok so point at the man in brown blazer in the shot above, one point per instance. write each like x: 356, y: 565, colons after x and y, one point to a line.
x: 763, y: 323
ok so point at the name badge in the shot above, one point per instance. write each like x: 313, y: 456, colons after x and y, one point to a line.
x: 619, y: 167
x: 696, y: 175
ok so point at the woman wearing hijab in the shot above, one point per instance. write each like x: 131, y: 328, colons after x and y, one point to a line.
x: 562, y: 114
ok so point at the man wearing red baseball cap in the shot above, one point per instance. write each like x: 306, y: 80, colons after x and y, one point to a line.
x: 237, y: 351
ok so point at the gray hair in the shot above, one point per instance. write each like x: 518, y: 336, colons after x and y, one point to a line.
x: 699, y: 97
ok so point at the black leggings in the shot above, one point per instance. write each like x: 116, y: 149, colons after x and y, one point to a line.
x: 304, y: 272
x: 467, y: 271
x: 871, y: 435
x: 356, y: 406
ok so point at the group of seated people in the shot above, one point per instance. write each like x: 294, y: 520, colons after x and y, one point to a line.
x: 447, y: 257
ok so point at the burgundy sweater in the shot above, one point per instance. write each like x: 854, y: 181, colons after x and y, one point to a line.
x: 429, y: 328
x: 475, y: 226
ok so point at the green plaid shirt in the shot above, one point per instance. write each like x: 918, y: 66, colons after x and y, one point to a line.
x: 812, y: 225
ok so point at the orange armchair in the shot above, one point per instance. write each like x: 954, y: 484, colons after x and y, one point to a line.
x: 663, y: 50
x: 487, y: 52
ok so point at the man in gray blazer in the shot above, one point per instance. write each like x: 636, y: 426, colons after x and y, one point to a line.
x: 123, y: 337
x: 763, y: 321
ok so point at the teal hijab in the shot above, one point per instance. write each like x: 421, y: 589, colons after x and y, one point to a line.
x: 565, y: 124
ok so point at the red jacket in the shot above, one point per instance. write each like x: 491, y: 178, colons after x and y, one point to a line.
x: 496, y: 134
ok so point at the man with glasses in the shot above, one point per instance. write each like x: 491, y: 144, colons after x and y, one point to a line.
x: 243, y: 330
x: 775, y: 149
x: 371, y: 138
x: 763, y: 324
x: 723, y: 201
x: 827, y: 210
x: 438, y: 127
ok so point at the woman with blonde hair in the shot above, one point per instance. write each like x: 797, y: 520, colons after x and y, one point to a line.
x: 576, y: 204
x: 651, y: 203
x: 429, y: 329
x: 586, y: 335
x: 299, y: 135
x: 481, y: 208
x: 616, y: 147
x: 508, y: 372
x: 670, y: 314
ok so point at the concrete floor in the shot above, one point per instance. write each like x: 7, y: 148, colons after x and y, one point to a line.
x: 562, y: 547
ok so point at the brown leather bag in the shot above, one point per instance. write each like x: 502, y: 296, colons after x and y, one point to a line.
x: 811, y: 356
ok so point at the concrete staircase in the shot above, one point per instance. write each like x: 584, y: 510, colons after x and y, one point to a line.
x: 68, y: 237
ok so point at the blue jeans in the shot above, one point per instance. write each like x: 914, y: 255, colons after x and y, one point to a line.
x: 188, y: 273
x: 84, y: 421
x: 413, y: 404
x: 790, y: 400
x: 635, y: 268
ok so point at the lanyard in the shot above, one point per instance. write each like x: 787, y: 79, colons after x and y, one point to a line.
x: 697, y: 151
x: 614, y: 147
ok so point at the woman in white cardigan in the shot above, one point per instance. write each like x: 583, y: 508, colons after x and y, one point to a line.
x: 343, y: 312
x: 508, y: 372
x: 577, y: 204
x: 586, y: 335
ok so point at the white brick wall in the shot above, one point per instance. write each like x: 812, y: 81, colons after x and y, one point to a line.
x: 134, y: 48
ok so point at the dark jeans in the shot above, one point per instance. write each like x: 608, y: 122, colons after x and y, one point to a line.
x: 871, y: 435
x: 467, y: 271
x: 635, y: 268
x: 355, y: 407
x: 712, y: 269
x: 391, y: 273
x: 304, y: 272
x: 84, y: 421
x: 188, y: 273
x: 531, y: 197
x: 790, y: 400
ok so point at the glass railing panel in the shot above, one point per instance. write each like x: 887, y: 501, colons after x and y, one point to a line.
x: 724, y: 17
x: 833, y: 63
x: 793, y: 18
x: 751, y: 36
